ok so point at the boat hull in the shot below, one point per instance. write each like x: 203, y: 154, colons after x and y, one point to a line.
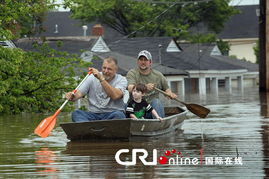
x: 125, y: 128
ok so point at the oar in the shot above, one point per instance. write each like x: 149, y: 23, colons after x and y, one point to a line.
x: 47, y: 124
x: 196, y: 109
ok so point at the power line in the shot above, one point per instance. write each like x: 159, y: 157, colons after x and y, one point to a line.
x: 156, y: 17
x: 172, y: 2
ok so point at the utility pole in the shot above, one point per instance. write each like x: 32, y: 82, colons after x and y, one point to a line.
x: 264, y: 45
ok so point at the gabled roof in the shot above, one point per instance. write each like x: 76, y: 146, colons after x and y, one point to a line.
x: 132, y: 46
x: 191, y: 56
x: 242, y: 25
x: 197, y: 57
x: 77, y: 47
x: 100, y: 46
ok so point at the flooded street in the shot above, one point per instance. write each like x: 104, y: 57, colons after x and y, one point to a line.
x: 237, y: 127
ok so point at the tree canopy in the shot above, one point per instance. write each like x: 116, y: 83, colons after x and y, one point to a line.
x: 35, y: 81
x: 146, y: 18
x: 21, y: 17
x: 31, y: 81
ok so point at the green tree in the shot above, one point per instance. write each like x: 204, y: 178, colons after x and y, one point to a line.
x: 224, y: 47
x: 21, y: 17
x: 152, y: 19
x: 35, y: 81
x: 201, y: 38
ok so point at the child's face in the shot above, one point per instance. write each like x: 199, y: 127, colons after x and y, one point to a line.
x: 137, y: 94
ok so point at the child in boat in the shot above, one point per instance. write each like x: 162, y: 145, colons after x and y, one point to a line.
x: 138, y: 107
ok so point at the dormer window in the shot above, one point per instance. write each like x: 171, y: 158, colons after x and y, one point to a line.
x: 100, y: 46
x: 215, y: 51
x: 172, y: 47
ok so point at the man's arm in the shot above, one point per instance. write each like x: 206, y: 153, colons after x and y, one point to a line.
x: 73, y: 97
x: 131, y: 80
x: 166, y: 88
x: 172, y: 95
x: 113, y: 93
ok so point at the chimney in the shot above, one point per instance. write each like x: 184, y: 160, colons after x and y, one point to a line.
x: 98, y: 30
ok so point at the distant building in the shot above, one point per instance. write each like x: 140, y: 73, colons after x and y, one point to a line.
x: 242, y: 32
x: 198, y: 68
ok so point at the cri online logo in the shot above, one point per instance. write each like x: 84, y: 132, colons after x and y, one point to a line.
x: 143, y: 154
x: 172, y: 157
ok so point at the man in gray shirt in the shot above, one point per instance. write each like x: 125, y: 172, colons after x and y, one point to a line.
x: 105, y: 92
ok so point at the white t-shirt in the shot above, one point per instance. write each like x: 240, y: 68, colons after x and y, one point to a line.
x: 99, y: 102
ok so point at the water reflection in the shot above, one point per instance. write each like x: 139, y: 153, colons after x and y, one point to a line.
x: 264, y: 100
x: 45, y: 161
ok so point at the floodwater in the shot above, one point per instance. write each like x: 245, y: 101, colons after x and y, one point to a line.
x: 233, y: 142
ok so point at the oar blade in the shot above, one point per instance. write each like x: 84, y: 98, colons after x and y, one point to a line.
x: 45, y: 126
x: 198, y: 110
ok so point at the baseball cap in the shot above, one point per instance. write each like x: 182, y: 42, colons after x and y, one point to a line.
x: 145, y: 53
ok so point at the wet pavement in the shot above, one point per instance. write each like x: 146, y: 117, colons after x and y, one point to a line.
x: 231, y: 142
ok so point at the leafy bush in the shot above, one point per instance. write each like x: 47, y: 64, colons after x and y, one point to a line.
x: 35, y: 81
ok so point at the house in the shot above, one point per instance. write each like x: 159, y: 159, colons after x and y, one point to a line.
x: 188, y: 67
x: 242, y: 32
x: 207, y: 68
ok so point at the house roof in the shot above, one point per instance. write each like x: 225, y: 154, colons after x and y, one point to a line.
x: 68, y: 26
x: 198, y: 57
x: 172, y: 63
x: 129, y: 62
x: 251, y: 67
x: 70, y: 46
x: 242, y: 25
x: 187, y: 59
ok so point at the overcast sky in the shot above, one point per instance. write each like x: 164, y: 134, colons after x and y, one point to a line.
x: 243, y: 2
x: 233, y: 3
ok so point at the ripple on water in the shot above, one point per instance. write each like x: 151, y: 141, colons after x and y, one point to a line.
x: 233, y: 128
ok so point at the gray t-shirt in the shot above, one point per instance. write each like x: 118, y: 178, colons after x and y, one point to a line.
x: 134, y: 77
x: 99, y: 102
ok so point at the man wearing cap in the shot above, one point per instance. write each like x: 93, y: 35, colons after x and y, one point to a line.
x: 151, y: 78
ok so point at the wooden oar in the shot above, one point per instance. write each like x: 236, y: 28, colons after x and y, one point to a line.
x: 46, y: 125
x: 196, y: 109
